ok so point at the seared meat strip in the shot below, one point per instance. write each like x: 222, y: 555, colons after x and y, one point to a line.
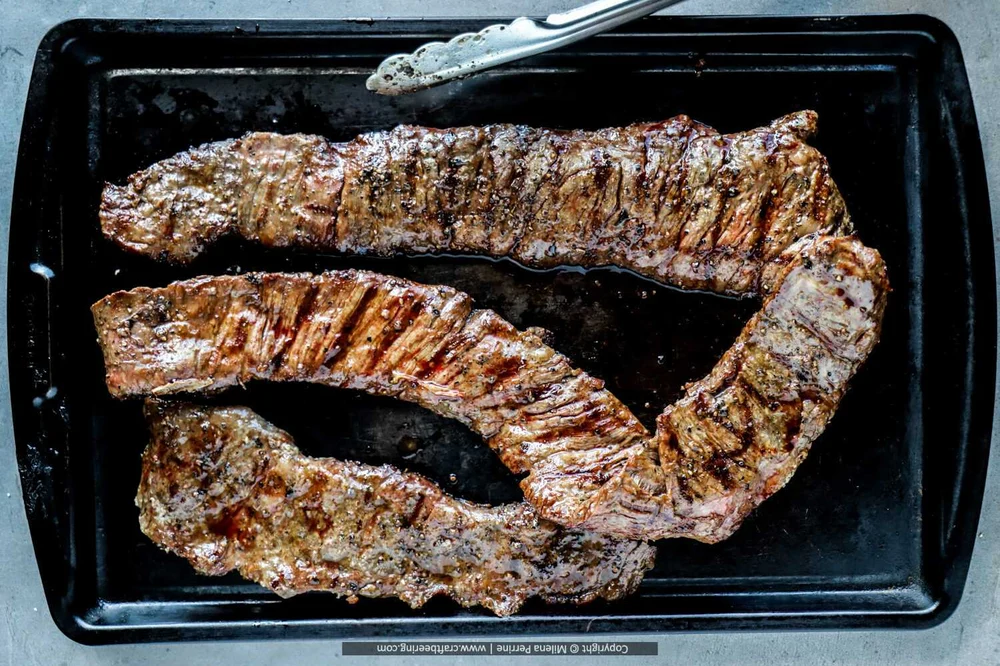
x: 736, y: 437
x: 731, y: 441
x: 673, y: 200
x: 227, y: 490
x: 384, y: 335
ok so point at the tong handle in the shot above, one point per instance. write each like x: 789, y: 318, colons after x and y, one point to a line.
x: 606, y: 14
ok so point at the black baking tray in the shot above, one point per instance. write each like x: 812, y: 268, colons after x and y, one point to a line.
x: 875, y: 530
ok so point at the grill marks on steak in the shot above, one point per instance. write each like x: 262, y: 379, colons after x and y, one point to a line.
x: 674, y: 200
x: 738, y: 435
x: 733, y: 439
x: 227, y: 490
x: 362, y: 330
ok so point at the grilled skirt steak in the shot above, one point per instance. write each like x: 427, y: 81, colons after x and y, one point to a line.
x: 733, y: 439
x: 674, y: 201
x: 227, y: 490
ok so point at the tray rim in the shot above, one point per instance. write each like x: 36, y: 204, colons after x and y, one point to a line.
x: 74, y: 622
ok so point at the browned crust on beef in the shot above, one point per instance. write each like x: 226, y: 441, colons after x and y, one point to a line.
x: 228, y: 491
x: 384, y: 335
x: 736, y: 437
x: 732, y: 440
x: 674, y: 200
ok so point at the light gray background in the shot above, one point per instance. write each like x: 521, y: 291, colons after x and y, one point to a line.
x: 28, y: 635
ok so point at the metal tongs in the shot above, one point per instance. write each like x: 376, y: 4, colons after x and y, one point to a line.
x: 466, y: 54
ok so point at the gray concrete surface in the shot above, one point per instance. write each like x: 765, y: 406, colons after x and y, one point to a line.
x: 28, y: 635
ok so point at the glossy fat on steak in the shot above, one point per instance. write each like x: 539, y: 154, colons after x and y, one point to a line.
x: 228, y: 491
x: 733, y: 439
x: 674, y: 200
